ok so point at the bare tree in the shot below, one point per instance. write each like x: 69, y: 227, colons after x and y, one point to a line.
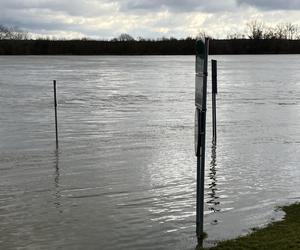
x: 270, y: 33
x: 18, y: 34
x: 125, y: 38
x: 280, y: 31
x: 236, y: 35
x: 141, y: 39
x: 4, y: 32
x: 12, y: 33
x: 255, y: 28
x: 290, y: 30
x: 203, y: 35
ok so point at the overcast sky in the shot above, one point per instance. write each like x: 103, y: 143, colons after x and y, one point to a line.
x: 144, y: 18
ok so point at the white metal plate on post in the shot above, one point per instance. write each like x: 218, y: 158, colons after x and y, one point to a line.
x: 199, y: 91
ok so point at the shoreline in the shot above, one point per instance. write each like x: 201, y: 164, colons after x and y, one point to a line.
x: 160, y: 47
x: 278, y: 235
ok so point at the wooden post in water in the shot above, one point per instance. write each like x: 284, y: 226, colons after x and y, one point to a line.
x: 214, y: 105
x: 55, y: 109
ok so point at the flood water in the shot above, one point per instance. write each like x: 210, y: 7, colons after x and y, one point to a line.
x: 124, y: 175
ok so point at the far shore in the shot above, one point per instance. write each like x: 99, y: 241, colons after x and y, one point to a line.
x: 147, y: 47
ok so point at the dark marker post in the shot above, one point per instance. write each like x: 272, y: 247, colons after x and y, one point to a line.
x: 55, y: 109
x: 200, y: 129
x: 214, y: 105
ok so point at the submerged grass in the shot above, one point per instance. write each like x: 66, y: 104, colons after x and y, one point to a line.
x: 279, y: 235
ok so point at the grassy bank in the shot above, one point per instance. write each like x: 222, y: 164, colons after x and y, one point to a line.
x: 277, y: 236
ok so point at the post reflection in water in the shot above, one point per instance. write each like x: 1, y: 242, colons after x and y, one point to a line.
x: 213, y: 198
x: 57, y: 194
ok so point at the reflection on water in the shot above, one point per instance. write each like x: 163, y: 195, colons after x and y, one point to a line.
x: 57, y: 201
x: 213, y: 198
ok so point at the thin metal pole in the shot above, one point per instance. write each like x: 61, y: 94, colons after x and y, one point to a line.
x: 214, y: 105
x: 201, y: 176
x: 199, y: 208
x: 55, y: 109
x: 199, y: 198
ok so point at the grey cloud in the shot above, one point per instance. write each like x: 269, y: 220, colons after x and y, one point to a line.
x: 31, y: 23
x: 177, y: 5
x: 40, y: 16
x: 85, y: 8
x: 42, y: 23
x: 272, y: 4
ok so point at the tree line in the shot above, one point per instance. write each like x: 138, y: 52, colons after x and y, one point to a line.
x: 255, y: 30
x: 164, y: 47
x: 258, y: 39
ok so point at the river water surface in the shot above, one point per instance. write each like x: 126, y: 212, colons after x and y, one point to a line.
x: 124, y: 174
